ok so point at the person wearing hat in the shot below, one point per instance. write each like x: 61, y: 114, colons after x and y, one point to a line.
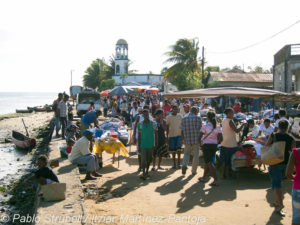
x: 71, y: 132
x: 81, y: 154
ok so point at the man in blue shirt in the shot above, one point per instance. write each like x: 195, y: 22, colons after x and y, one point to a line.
x: 89, y: 118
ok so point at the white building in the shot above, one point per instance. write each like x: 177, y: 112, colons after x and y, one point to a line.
x: 121, y: 68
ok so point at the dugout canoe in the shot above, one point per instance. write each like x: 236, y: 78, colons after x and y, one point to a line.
x: 24, y: 111
x: 21, y: 141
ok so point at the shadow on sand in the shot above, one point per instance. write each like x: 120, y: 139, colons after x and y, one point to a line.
x: 286, y: 189
x: 227, y: 191
x: 130, y: 182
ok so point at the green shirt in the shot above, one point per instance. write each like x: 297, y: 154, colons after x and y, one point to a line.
x: 147, y: 134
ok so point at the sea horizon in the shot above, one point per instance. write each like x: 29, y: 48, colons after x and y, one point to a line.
x: 10, y: 101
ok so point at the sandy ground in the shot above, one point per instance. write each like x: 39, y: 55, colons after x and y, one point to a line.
x: 35, y: 120
x: 168, y: 197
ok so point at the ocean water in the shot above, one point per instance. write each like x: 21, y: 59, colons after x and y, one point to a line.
x: 10, y: 101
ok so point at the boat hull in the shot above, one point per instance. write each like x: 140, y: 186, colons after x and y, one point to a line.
x: 21, y: 141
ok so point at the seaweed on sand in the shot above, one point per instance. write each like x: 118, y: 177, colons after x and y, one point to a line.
x: 24, y: 196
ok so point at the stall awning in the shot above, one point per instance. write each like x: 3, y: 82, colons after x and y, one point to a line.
x: 240, y: 92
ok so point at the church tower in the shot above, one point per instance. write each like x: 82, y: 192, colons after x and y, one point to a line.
x: 121, y: 57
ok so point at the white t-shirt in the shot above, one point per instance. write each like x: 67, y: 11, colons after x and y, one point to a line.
x: 282, y: 118
x: 133, y: 112
x: 255, y: 131
x: 80, y: 148
x: 266, y: 131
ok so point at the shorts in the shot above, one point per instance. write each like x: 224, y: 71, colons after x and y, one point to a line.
x: 296, y: 206
x: 146, y: 156
x: 175, y: 144
x: 226, y: 154
x: 209, y: 151
x: 277, y: 173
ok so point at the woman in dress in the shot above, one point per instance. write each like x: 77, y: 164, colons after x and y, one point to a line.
x: 162, y: 147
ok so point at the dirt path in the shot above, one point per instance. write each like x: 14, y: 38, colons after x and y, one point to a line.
x: 170, y: 198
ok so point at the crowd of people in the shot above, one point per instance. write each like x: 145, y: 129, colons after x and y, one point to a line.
x: 172, y: 127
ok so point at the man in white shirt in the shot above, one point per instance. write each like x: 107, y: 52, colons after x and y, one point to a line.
x: 282, y: 116
x: 81, y: 154
x: 62, y: 111
x: 142, y: 102
x: 134, y: 111
x: 266, y: 129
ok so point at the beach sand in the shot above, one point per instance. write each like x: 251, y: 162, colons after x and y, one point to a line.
x: 168, y: 197
x: 32, y: 122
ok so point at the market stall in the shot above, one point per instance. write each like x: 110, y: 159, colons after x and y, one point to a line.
x: 245, y: 157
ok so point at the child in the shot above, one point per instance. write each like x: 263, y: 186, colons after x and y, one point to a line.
x: 71, y: 133
x: 70, y: 143
x: 44, y: 175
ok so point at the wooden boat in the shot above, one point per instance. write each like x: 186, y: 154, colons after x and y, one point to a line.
x: 24, y: 111
x: 39, y: 109
x: 45, y: 108
x: 22, y: 141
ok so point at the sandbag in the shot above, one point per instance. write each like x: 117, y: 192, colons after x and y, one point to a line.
x: 54, y: 191
x: 273, y: 154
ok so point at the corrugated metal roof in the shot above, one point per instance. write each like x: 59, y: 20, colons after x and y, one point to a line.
x: 242, y: 77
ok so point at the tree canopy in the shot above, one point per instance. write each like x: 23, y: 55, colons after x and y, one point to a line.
x: 98, y: 71
x: 185, y: 72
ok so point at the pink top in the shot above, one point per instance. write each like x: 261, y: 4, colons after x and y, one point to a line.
x: 213, y: 137
x: 296, y: 183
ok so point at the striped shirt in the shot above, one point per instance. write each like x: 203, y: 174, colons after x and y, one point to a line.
x: 62, y: 106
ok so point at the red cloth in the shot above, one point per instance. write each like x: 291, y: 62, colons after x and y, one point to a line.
x: 69, y: 149
x: 296, y: 183
x: 250, y: 154
x: 166, y: 108
x: 237, y: 108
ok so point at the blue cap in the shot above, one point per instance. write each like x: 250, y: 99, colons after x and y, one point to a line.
x: 87, y: 132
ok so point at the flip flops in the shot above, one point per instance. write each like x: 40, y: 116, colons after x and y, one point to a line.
x: 203, y: 179
x: 214, y: 184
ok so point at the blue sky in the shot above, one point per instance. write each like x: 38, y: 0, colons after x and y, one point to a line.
x: 42, y: 41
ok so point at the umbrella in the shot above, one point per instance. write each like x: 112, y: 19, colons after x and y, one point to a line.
x: 119, y: 91
x: 152, y: 90
x: 105, y: 93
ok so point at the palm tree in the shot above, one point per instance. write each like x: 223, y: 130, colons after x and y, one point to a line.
x: 184, y: 55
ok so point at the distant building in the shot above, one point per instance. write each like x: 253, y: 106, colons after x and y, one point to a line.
x: 286, y: 69
x: 121, y: 68
x: 252, y: 80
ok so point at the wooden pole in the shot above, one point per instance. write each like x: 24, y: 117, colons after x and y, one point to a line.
x: 25, y: 128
